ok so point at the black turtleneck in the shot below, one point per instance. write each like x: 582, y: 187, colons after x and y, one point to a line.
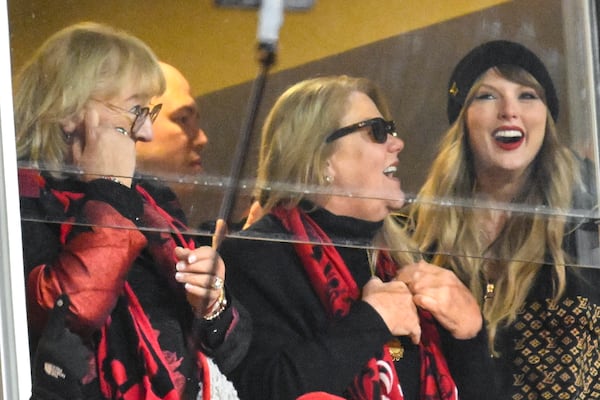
x: 296, y: 346
x: 352, y: 237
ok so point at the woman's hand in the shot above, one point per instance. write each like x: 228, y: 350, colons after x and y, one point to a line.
x: 394, y: 303
x: 202, y: 272
x: 439, y: 291
x: 103, y: 151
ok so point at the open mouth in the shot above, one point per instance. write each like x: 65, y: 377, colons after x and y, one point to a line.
x: 509, y: 139
x: 390, y: 171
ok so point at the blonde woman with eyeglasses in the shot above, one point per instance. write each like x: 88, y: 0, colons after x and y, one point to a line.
x: 140, y: 295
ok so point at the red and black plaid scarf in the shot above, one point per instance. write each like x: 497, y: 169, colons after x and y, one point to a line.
x: 337, y: 290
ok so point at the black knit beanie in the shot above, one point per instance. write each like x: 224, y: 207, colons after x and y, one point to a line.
x: 493, y: 54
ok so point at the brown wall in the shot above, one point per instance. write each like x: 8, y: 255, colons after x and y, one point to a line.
x: 215, y: 46
x: 413, y: 68
x: 408, y: 47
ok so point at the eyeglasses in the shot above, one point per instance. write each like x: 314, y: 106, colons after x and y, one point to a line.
x: 380, y: 129
x: 141, y: 113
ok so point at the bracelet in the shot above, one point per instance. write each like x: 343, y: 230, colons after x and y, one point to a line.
x: 218, y: 308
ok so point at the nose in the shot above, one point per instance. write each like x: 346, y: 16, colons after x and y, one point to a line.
x: 396, y: 144
x: 509, y: 109
x: 200, y: 139
x: 145, y: 133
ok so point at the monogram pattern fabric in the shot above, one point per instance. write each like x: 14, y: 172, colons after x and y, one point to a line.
x: 557, y: 350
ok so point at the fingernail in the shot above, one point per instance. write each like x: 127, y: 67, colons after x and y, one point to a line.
x: 178, y: 276
x: 191, y: 259
x: 180, y: 266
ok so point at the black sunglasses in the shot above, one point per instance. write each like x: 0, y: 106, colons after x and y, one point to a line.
x: 380, y: 129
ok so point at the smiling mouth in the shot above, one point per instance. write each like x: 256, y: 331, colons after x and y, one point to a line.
x: 390, y: 171
x: 508, y: 137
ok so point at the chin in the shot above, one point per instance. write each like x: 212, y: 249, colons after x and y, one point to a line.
x: 396, y: 205
x: 396, y: 200
x: 189, y: 171
x: 196, y: 169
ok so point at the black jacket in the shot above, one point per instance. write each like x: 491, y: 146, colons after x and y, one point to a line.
x: 295, y: 348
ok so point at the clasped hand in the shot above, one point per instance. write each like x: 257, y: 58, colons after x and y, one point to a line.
x: 431, y: 288
x: 439, y: 291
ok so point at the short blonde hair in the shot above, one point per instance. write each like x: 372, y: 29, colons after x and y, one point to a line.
x: 75, y: 64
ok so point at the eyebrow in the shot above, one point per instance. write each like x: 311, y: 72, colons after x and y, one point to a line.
x: 490, y: 86
x: 486, y: 86
x: 137, y: 97
x: 186, y: 108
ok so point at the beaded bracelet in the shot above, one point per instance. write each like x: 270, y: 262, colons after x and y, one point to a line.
x: 218, y: 308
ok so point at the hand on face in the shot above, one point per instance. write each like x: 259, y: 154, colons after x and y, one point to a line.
x: 439, y: 291
x: 201, y: 276
x: 101, y: 150
x: 394, y: 303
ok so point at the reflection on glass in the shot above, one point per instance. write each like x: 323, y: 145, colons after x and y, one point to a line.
x: 413, y: 67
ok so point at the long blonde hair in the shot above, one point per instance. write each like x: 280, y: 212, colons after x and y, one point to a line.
x: 525, y: 243
x: 293, y: 150
x: 72, y: 66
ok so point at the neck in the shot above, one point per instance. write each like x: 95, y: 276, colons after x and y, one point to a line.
x: 365, y: 209
x: 500, y: 186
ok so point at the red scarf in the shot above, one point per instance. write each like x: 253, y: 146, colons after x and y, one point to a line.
x: 131, y: 363
x: 143, y: 373
x: 337, y: 290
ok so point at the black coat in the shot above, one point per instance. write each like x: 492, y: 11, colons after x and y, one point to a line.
x: 295, y: 347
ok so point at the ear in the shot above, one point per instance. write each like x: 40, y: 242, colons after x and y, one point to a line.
x: 72, y: 123
x: 329, y: 170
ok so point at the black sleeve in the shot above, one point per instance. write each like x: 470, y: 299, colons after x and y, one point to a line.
x: 471, y: 365
x: 295, y: 348
x: 226, y: 339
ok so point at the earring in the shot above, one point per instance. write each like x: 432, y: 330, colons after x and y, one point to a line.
x: 328, y: 178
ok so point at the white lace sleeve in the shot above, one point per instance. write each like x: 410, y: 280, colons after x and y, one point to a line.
x: 220, y: 387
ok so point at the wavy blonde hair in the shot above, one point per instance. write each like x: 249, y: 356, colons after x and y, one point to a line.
x: 293, y: 151
x: 75, y: 64
x: 525, y: 243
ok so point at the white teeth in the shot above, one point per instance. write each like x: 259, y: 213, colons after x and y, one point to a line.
x: 390, y: 171
x: 509, y: 134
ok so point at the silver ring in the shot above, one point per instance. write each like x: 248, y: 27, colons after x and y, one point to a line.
x: 217, y: 284
x: 122, y: 131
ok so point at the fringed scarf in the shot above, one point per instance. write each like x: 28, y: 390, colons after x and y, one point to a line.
x: 337, y: 291
x: 131, y: 363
